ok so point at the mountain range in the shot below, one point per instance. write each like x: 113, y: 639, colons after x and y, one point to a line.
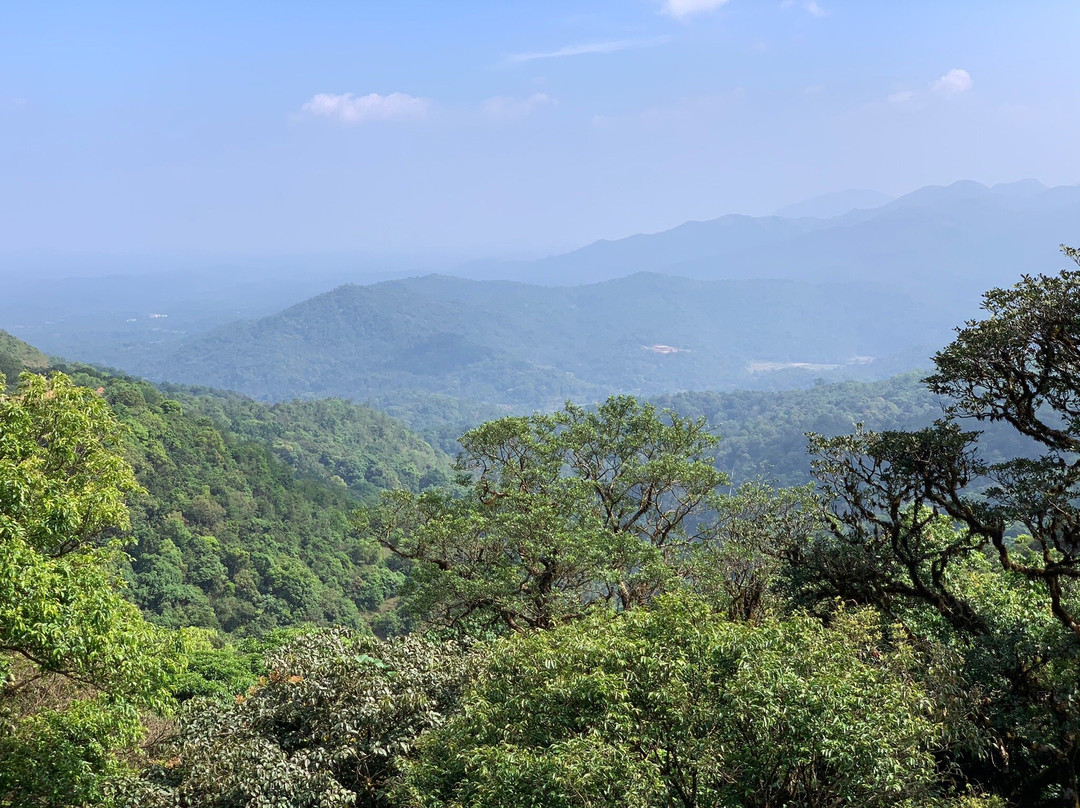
x: 954, y: 240
x: 736, y: 302
x: 527, y: 346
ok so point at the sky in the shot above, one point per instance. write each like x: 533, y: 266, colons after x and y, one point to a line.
x: 467, y: 129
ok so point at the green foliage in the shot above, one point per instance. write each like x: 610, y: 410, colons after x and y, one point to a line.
x: 1001, y: 669
x: 329, y: 440
x: 77, y: 661
x: 917, y: 515
x: 216, y: 670
x: 16, y: 356
x: 765, y: 432
x: 738, y: 564
x: 440, y: 419
x: 225, y: 535
x: 65, y: 757
x: 676, y: 706
x: 326, y: 726
x: 62, y: 482
x: 566, y: 512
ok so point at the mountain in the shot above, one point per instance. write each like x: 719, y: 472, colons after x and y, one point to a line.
x: 837, y: 203
x: 738, y: 301
x: 114, y: 318
x: 527, y: 346
x: 945, y: 243
x: 649, y: 252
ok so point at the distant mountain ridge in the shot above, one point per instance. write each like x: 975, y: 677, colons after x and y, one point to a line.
x: 526, y: 346
x: 791, y: 298
x: 956, y: 240
x: 837, y: 203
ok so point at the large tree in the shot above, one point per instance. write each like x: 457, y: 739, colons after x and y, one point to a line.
x: 917, y: 514
x: 563, y: 512
x: 77, y: 661
x: 326, y: 727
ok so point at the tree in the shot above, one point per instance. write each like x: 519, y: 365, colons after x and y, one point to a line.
x: 64, y: 480
x: 915, y: 512
x: 326, y: 726
x: 563, y: 513
x: 738, y: 566
x: 77, y: 661
x: 676, y: 706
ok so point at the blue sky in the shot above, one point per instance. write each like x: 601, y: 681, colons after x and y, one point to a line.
x: 466, y: 129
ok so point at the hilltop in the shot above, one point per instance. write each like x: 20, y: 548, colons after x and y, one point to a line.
x: 528, y: 346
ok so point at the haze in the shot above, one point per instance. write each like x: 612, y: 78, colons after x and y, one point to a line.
x: 138, y: 135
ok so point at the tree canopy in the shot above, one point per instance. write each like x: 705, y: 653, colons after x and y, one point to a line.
x: 917, y: 516
x: 77, y: 660
x: 562, y: 513
x: 677, y: 706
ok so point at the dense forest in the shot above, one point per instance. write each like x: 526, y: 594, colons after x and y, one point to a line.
x: 527, y: 346
x: 212, y: 602
x: 241, y: 522
x: 763, y: 434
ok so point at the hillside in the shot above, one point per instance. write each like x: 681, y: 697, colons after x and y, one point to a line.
x: 763, y: 434
x: 228, y: 535
x: 244, y: 522
x: 17, y: 356
x: 527, y: 346
x: 334, y: 441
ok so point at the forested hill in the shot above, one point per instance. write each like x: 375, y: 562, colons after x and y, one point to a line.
x: 763, y: 434
x: 243, y: 526
x: 16, y: 356
x: 532, y: 347
x: 338, y: 442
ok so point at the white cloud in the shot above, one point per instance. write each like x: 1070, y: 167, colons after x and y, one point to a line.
x: 612, y: 46
x: 505, y: 108
x: 953, y: 82
x: 810, y: 6
x: 349, y: 108
x: 679, y: 9
x: 901, y: 97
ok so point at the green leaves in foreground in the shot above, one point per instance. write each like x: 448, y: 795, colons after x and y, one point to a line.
x: 77, y: 661
x: 62, y: 479
x: 325, y: 727
x: 677, y: 706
